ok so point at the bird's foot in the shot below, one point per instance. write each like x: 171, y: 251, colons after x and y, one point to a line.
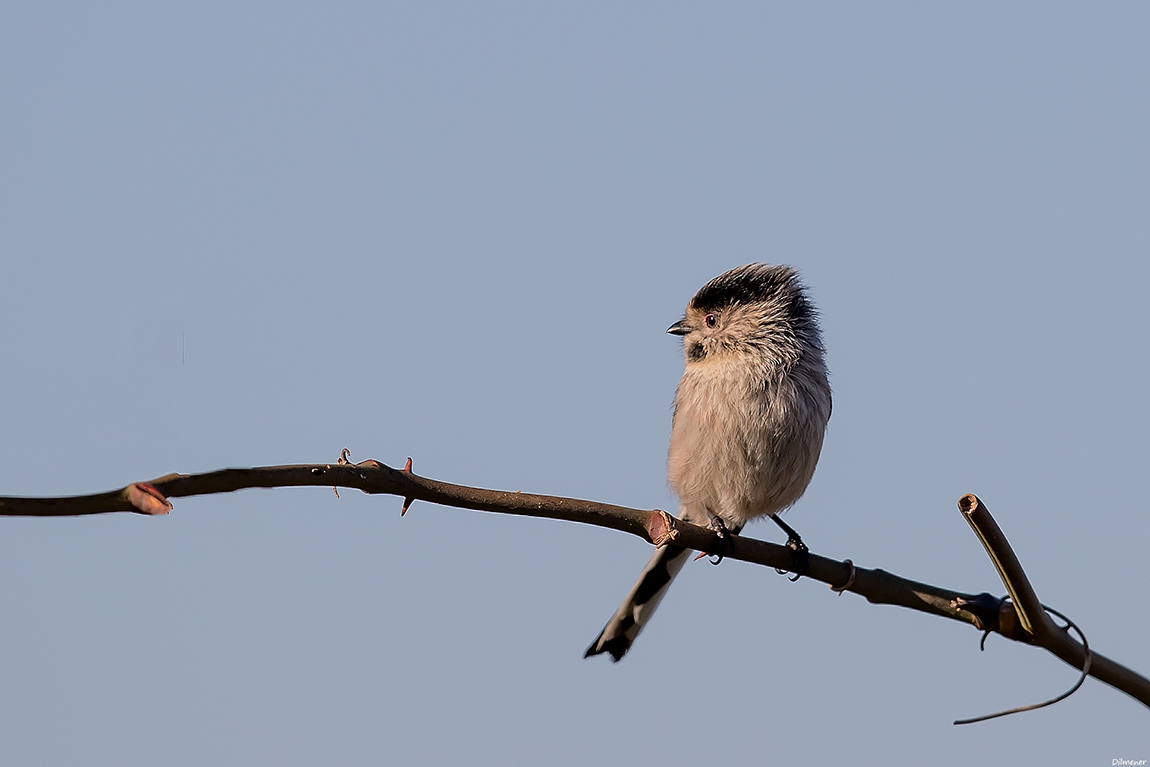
x: 800, y: 557
x: 724, y: 536
x: 800, y: 554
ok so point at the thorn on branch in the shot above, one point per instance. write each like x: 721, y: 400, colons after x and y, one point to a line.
x: 406, y: 501
x: 343, y: 460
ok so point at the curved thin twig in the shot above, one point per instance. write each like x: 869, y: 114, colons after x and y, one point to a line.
x: 1082, y: 677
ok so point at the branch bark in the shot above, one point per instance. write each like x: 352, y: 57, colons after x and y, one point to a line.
x: 1021, y: 619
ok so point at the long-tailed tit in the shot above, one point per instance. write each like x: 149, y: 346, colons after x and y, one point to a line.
x: 749, y: 418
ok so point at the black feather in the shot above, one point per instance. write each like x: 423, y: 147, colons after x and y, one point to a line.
x: 756, y: 283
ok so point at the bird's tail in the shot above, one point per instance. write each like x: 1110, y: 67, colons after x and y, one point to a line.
x: 617, y: 636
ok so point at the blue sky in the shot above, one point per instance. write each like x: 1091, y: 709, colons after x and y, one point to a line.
x: 251, y: 234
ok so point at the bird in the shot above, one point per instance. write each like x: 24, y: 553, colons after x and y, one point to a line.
x: 749, y: 417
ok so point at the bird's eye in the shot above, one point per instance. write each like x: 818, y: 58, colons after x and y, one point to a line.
x: 711, y: 320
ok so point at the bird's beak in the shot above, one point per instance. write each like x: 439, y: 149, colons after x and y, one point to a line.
x: 680, y: 328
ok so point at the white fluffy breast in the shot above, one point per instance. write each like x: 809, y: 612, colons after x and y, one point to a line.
x: 744, y: 441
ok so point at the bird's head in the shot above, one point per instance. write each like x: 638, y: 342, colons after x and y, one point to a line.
x: 757, y: 309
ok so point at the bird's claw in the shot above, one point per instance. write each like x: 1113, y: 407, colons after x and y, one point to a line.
x: 800, y: 557
x: 724, y: 536
x: 800, y: 554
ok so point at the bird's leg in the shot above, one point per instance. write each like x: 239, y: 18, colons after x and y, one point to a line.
x: 800, y: 554
x: 724, y: 536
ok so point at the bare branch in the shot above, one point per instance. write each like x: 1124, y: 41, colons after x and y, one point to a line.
x: 983, y: 611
